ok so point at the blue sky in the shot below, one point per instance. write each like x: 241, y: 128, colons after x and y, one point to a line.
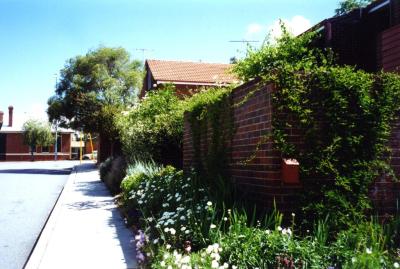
x: 37, y: 37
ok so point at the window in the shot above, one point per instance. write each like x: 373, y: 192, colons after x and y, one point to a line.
x: 59, y: 143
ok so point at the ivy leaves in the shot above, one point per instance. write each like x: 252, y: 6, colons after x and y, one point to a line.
x: 344, y: 115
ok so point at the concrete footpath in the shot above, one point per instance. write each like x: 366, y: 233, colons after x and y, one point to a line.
x: 85, y: 229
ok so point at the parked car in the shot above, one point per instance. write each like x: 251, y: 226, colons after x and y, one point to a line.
x: 90, y: 156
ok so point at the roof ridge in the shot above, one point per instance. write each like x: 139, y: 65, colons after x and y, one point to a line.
x: 184, y: 61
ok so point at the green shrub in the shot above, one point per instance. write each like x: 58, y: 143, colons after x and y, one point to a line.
x: 115, y: 172
x: 243, y: 245
x: 153, y: 128
x: 130, y: 183
x: 105, y: 168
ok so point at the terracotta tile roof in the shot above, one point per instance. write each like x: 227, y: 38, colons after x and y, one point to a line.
x: 193, y: 72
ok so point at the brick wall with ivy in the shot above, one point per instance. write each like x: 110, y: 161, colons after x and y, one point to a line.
x: 254, y: 164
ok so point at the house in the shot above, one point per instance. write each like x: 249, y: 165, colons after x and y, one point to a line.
x: 185, y: 76
x: 368, y: 38
x: 12, y: 147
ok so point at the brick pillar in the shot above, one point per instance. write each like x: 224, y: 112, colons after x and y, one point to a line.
x: 1, y: 119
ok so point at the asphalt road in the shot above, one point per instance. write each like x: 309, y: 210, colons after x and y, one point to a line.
x: 28, y: 192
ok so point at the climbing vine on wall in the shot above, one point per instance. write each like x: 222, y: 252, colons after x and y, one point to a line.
x: 210, y: 118
x: 344, y: 115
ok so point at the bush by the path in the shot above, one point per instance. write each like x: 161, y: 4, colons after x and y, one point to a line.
x: 182, y: 228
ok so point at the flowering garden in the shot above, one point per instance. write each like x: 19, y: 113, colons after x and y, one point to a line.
x: 192, y: 220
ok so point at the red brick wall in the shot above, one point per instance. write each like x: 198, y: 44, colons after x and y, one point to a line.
x: 390, y: 50
x: 385, y: 192
x: 17, y: 151
x: 258, y: 180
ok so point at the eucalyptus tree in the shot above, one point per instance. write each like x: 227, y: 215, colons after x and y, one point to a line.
x: 93, y: 88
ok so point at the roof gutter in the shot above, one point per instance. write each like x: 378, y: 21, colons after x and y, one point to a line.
x: 381, y: 5
x: 192, y: 83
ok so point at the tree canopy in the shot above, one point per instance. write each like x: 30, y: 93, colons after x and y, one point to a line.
x: 93, y: 88
x: 36, y: 133
x: 346, y: 6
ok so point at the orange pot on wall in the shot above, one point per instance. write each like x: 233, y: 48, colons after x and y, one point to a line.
x: 290, y: 171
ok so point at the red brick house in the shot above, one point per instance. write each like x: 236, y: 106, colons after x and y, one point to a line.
x: 12, y: 147
x: 185, y: 76
x: 368, y: 37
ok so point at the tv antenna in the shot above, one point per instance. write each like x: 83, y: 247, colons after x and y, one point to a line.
x: 244, y: 41
x: 143, y: 50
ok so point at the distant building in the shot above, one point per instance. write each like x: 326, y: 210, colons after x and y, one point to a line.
x: 12, y: 147
x: 185, y: 76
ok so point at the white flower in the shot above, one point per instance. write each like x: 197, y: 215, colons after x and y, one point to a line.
x: 155, y: 241
x: 209, y: 203
x: 172, y: 231
x: 166, y: 230
x: 183, y: 228
x: 169, y: 267
x: 279, y: 228
x: 215, y: 256
x: 162, y: 263
x: 168, y: 246
x: 234, y: 267
x: 185, y: 259
x: 225, y: 218
x: 215, y: 247
x: 214, y: 264
x: 226, y: 265
x: 293, y: 214
x: 187, y: 231
x: 268, y: 231
x: 212, y: 226
x: 396, y: 265
x: 368, y: 250
x: 353, y: 260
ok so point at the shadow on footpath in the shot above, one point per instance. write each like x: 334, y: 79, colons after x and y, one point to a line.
x: 86, y: 205
x: 94, y: 195
x: 86, y: 167
x: 125, y: 237
x: 65, y: 171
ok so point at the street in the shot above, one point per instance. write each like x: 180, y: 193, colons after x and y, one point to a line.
x: 29, y: 191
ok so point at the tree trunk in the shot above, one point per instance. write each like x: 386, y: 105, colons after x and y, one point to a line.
x: 32, y: 155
